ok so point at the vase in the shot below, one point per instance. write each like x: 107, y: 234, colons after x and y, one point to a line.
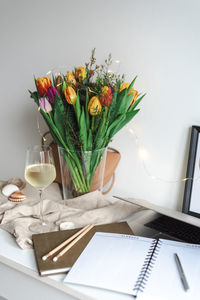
x: 81, y: 171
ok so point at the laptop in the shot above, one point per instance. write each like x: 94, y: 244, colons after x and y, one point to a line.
x: 149, y: 223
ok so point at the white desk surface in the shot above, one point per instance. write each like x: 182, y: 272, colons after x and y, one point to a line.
x: 19, y: 277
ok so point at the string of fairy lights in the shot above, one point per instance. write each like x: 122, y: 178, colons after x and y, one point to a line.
x: 144, y: 155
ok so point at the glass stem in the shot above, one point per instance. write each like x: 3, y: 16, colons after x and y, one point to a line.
x: 42, y: 222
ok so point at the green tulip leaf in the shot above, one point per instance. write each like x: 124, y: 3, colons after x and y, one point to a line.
x: 87, y: 117
x: 101, y: 132
x: 78, y: 108
x: 89, y: 142
x: 58, y: 102
x: 34, y: 96
x: 70, y: 117
x: 129, y: 116
x: 83, y: 131
x: 128, y: 100
x: 59, y: 118
x: 110, y: 128
x: 136, y: 103
x: 121, y: 102
x: 53, y: 129
x: 131, y: 84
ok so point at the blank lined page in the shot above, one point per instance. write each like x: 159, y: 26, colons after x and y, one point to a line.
x: 164, y: 281
x: 110, y: 261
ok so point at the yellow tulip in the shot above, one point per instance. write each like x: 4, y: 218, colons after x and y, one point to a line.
x: 70, y: 78
x: 70, y: 95
x: 125, y: 85
x: 104, y: 90
x: 94, y: 106
x: 80, y: 74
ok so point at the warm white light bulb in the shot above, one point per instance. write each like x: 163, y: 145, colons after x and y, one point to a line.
x: 143, y: 154
x: 130, y: 130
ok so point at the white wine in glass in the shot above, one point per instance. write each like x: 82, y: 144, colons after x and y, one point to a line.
x: 40, y: 172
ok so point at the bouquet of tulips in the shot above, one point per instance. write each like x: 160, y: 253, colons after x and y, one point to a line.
x: 84, y: 109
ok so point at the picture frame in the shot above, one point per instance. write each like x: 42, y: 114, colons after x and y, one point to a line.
x: 191, y: 200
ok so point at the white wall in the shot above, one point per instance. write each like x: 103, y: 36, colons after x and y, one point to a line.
x: 158, y: 40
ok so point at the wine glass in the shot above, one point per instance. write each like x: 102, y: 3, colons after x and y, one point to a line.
x: 40, y: 172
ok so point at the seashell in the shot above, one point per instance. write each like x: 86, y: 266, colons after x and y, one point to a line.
x: 17, y: 197
x: 8, y: 189
x: 67, y: 225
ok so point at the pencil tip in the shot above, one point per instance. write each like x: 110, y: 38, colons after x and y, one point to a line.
x: 55, y: 259
x: 44, y: 257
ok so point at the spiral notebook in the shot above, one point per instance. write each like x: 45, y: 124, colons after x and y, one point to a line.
x: 137, y: 266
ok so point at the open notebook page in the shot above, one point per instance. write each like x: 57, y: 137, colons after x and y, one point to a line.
x: 164, y: 281
x: 110, y: 261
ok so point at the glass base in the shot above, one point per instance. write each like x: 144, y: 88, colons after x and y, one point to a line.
x: 39, y: 227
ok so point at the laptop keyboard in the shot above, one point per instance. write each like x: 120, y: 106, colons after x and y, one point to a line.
x: 178, y: 229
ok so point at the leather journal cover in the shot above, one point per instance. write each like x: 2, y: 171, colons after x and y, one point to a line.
x: 45, y: 242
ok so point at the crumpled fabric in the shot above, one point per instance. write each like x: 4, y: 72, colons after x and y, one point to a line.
x: 91, y: 208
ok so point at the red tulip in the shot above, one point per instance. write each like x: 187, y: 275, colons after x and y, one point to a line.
x: 106, y: 96
x: 42, y: 85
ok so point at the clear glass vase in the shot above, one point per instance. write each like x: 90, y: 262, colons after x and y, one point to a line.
x: 81, y: 171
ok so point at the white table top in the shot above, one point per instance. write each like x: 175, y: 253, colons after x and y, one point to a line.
x: 23, y: 261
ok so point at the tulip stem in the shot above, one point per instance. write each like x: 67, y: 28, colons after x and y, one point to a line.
x: 80, y: 183
x: 50, y: 116
x: 92, y: 124
x: 76, y: 173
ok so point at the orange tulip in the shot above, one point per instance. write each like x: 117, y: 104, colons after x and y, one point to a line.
x: 70, y: 95
x: 42, y: 85
x: 70, y: 78
x: 135, y: 94
x: 80, y: 74
x: 125, y: 85
x: 94, y: 106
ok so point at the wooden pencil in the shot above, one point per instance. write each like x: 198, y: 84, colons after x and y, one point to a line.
x: 53, y: 251
x: 72, y: 243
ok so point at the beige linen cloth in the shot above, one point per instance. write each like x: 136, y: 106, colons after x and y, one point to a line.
x: 92, y: 208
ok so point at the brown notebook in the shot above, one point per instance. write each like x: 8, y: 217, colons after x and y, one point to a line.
x: 45, y: 242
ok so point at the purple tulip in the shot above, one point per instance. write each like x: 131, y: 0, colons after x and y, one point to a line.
x: 45, y: 105
x: 52, y: 91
